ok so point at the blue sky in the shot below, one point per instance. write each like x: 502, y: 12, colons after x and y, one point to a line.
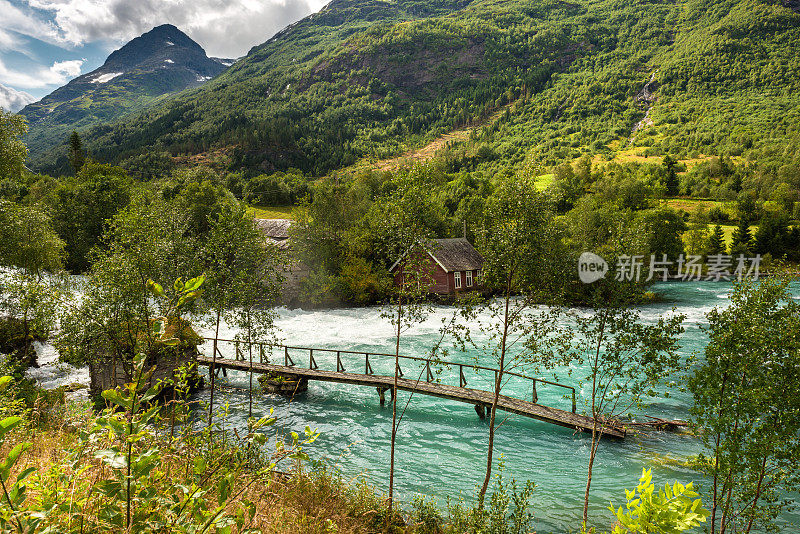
x: 46, y: 43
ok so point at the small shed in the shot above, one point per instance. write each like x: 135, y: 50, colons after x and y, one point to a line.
x: 276, y: 230
x: 293, y: 271
x: 453, y: 265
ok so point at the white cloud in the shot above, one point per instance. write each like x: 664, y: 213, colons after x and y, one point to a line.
x: 226, y: 28
x: 26, y: 21
x: 40, y: 76
x: 13, y: 100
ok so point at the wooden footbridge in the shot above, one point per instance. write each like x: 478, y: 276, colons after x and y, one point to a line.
x: 288, y: 362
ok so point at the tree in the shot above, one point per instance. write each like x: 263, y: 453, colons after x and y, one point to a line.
x: 625, y: 360
x: 28, y: 241
x: 569, y: 186
x: 671, y: 182
x: 13, y: 151
x: 716, y: 242
x: 404, y: 236
x: 203, y: 199
x: 785, y: 197
x: 741, y: 238
x: 77, y: 154
x: 696, y: 238
x: 773, y: 235
x: 746, y: 407
x: 665, y: 228
x: 321, y: 225
x: 746, y: 207
x: 30, y: 291
x: 257, y: 292
x: 84, y: 204
x: 523, y: 256
x: 147, y: 240
x: 238, y: 267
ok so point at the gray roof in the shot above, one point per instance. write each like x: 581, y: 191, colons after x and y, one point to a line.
x: 455, y: 254
x: 277, y: 229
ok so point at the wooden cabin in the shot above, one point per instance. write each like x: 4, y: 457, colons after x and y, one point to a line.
x: 453, y: 265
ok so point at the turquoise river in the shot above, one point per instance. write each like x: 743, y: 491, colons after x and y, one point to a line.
x: 442, y: 444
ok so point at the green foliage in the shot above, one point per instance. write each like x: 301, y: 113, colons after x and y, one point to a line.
x: 624, y: 361
x: 136, y: 489
x: 30, y: 292
x: 150, y: 165
x: 741, y: 240
x: 83, y: 205
x: 31, y: 306
x: 775, y: 237
x: 521, y: 244
x: 508, y: 511
x: 746, y: 407
x: 77, y: 154
x: 12, y: 149
x: 12, y: 513
x: 203, y: 198
x: 150, y: 239
x: 671, y: 183
x: 360, y: 283
x: 672, y: 510
x: 716, y: 242
x: 665, y: 228
x: 28, y: 241
x: 277, y: 189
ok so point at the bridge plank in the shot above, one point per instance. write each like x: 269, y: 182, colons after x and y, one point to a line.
x: 444, y: 391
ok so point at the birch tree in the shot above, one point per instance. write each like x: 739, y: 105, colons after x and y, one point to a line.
x: 622, y: 361
x: 523, y: 254
x: 747, y: 409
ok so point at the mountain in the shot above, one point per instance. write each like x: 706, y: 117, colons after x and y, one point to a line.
x: 157, y: 63
x: 369, y: 79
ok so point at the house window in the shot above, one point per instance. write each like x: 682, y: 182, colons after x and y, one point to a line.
x: 469, y: 278
x: 478, y: 274
x: 457, y: 278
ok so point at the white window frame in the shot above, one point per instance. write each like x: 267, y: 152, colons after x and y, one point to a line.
x: 457, y: 279
x: 478, y: 275
x: 469, y: 278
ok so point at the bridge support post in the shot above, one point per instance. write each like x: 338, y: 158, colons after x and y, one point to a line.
x: 481, y: 410
x: 382, y: 394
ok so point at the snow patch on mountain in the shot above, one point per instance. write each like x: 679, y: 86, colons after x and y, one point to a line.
x: 107, y: 77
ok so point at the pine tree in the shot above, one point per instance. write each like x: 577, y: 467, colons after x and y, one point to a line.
x: 742, y: 239
x: 716, y: 242
x: 77, y: 155
x: 671, y: 181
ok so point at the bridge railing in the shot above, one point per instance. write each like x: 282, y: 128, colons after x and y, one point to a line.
x: 288, y: 355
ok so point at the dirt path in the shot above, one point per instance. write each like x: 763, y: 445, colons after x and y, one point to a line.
x: 426, y: 153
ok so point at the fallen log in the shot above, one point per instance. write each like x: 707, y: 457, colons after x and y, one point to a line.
x: 657, y: 423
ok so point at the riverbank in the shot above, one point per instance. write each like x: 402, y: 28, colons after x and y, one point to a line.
x: 441, y: 445
x: 75, y: 479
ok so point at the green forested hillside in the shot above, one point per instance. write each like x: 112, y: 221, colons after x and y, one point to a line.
x: 371, y: 78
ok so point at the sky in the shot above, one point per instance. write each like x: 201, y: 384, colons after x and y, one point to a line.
x: 46, y: 43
